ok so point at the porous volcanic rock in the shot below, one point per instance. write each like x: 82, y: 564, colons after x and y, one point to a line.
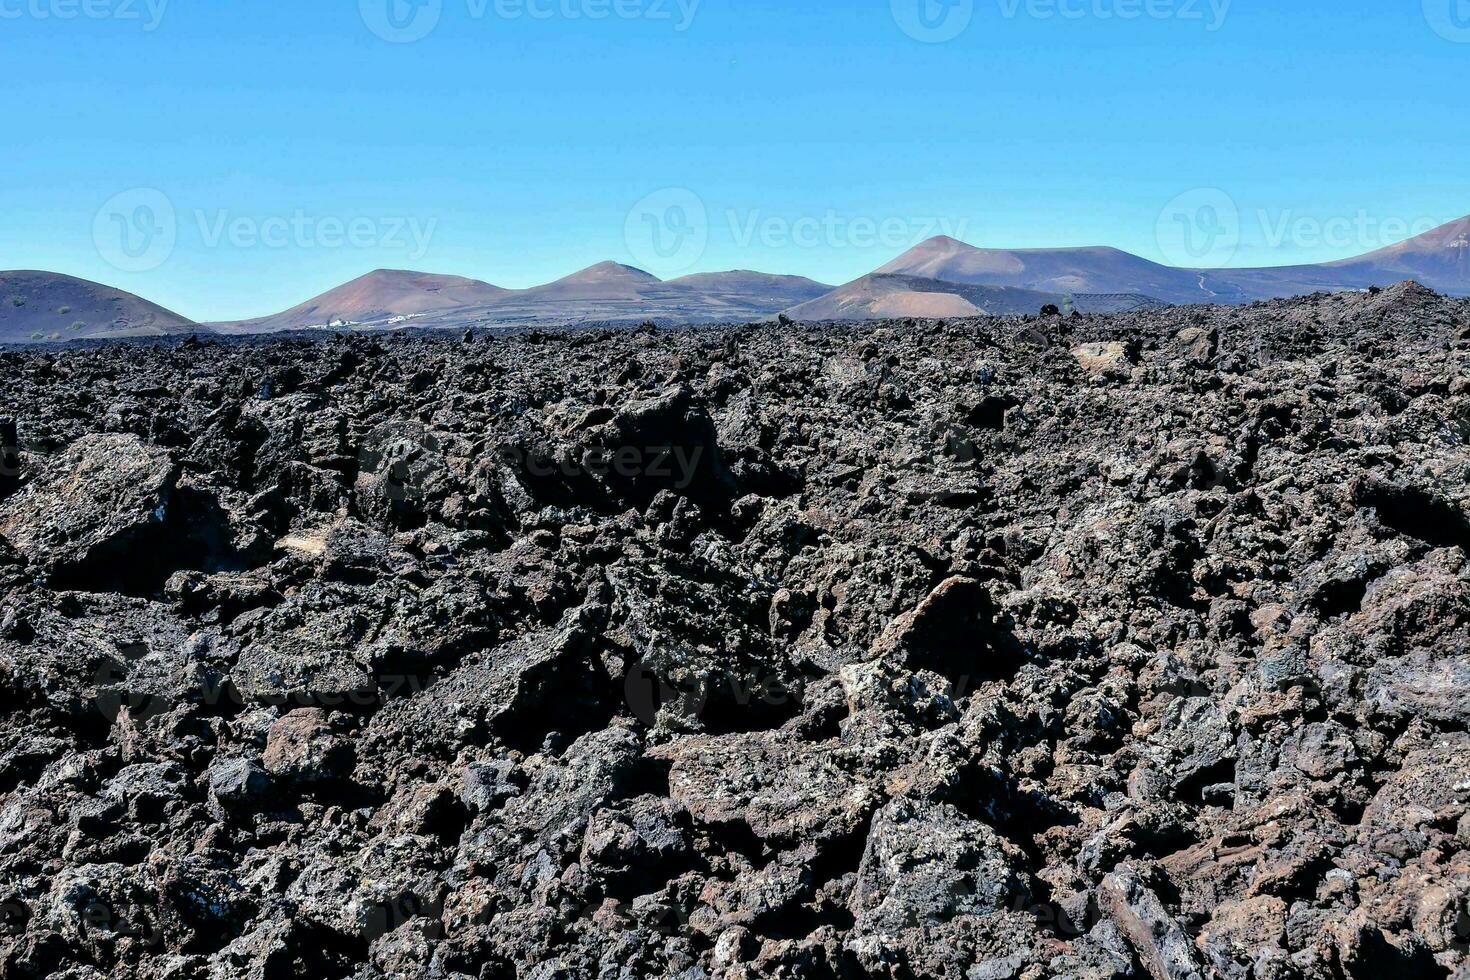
x: 1098, y: 648
x: 96, y: 504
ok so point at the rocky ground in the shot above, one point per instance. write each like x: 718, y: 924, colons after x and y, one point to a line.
x: 1036, y: 647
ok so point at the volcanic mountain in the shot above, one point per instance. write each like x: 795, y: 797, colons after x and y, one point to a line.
x: 1058, y: 270
x: 607, y: 292
x: 613, y: 293
x: 941, y: 277
x: 1105, y: 279
x: 744, y: 288
x: 886, y: 295
x: 50, y: 306
x: 1440, y: 259
x: 375, y: 297
x: 608, y: 281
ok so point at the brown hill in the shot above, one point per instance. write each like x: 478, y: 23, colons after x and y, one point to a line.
x: 882, y: 296
x: 48, y: 306
x: 375, y: 297
x: 1058, y: 270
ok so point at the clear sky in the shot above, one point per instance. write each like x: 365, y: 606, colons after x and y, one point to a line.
x: 230, y: 158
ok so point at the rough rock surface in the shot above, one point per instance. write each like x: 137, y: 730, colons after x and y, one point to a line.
x: 95, y: 505
x: 1000, y: 649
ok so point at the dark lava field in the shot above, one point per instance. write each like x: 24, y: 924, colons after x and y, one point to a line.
x: 1030, y: 648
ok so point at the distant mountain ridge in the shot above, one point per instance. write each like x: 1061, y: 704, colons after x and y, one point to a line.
x: 940, y: 277
x: 1439, y: 259
x: 605, y: 292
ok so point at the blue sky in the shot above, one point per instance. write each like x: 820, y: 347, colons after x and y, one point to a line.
x: 234, y: 158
